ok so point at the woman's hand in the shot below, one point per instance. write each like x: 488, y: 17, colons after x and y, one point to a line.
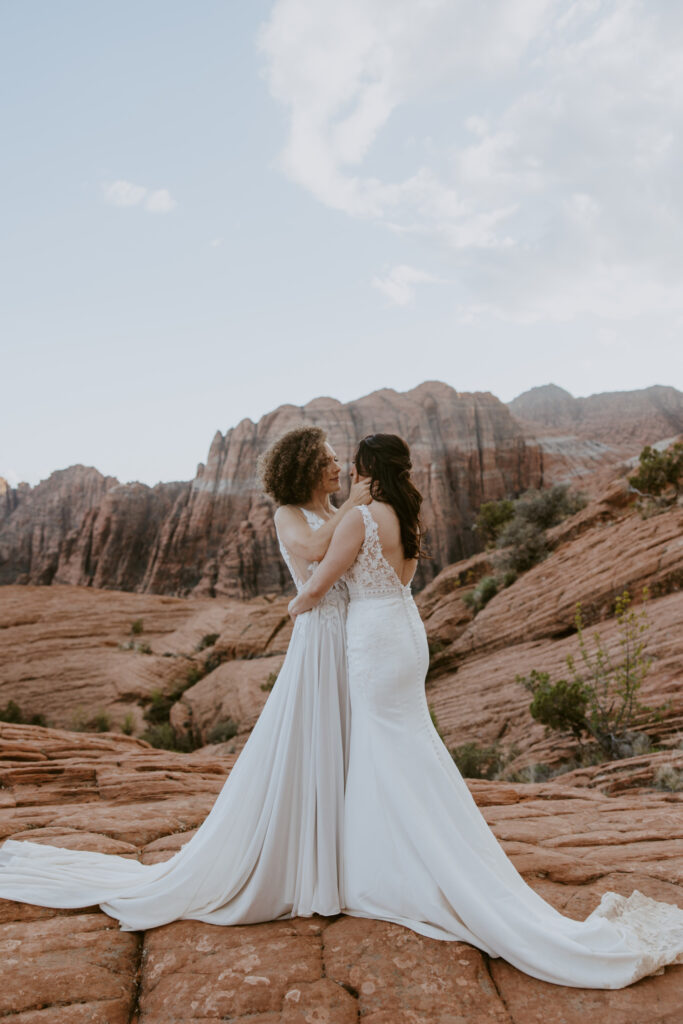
x: 360, y: 490
x: 292, y: 609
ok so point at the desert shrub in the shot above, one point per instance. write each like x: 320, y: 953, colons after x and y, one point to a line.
x: 223, y: 731
x: 100, y: 722
x: 136, y: 627
x: 531, y: 773
x: 509, y: 577
x: 659, y: 470
x: 669, y: 778
x: 208, y: 640
x: 12, y: 713
x: 214, y: 659
x: 164, y: 736
x: 600, y: 701
x: 193, y: 675
x: 486, y: 588
x: 475, y: 762
x: 270, y: 682
x: 492, y: 517
x: 525, y: 545
x: 546, y: 508
x: 128, y: 724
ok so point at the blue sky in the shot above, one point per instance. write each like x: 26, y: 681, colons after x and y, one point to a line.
x: 211, y: 209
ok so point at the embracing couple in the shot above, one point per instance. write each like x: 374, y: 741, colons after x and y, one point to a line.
x: 344, y: 799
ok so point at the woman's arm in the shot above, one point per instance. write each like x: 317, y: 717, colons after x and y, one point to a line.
x: 344, y: 546
x: 304, y: 542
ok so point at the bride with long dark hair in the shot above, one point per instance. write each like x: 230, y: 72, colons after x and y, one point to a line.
x: 417, y: 850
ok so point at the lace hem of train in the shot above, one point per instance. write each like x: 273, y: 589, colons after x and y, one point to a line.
x: 650, y: 927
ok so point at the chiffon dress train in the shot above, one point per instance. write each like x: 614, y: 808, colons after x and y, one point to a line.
x: 271, y: 846
x: 417, y: 850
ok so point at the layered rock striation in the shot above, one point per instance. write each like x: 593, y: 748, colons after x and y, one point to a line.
x: 116, y: 795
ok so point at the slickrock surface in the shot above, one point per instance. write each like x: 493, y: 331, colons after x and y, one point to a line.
x: 116, y: 795
x: 63, y: 649
x: 215, y: 536
x: 598, y: 553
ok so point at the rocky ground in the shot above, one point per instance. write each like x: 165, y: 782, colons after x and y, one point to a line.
x: 114, y: 794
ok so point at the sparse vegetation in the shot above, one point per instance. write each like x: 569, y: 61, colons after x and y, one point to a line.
x: 208, y: 640
x: 270, y: 682
x: 13, y: 714
x: 599, y: 701
x: 136, y: 627
x: 659, y: 471
x: 492, y: 518
x: 141, y: 646
x: 517, y: 528
x: 475, y: 762
x: 101, y: 721
x: 128, y: 724
x: 669, y: 778
x: 486, y: 588
x: 223, y: 731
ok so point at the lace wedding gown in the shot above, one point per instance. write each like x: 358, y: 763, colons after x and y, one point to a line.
x: 271, y: 846
x: 418, y: 852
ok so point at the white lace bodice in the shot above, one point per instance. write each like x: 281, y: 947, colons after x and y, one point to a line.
x: 371, y: 575
x: 315, y: 522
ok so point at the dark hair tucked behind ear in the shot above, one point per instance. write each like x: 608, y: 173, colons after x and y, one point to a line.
x: 292, y: 468
x: 385, y: 458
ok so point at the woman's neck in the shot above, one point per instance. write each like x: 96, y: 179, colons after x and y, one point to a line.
x: 319, y: 502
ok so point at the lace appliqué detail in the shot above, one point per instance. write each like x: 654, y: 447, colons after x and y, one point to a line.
x: 334, y: 602
x: 371, y: 575
x: 650, y: 927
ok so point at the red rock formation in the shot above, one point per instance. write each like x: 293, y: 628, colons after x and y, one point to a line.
x: 35, y: 520
x: 621, y: 418
x: 115, y: 795
x: 214, y: 536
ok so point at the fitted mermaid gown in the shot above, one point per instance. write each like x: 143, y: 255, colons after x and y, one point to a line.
x: 271, y: 846
x: 417, y: 850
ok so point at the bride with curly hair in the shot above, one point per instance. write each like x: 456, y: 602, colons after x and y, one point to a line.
x: 271, y: 846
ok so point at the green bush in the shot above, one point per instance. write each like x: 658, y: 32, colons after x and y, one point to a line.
x: 525, y: 546
x: 659, y: 470
x: 164, y: 736
x: 208, y: 640
x: 486, y: 588
x: 136, y: 627
x: 128, y: 724
x: 546, y: 508
x: 475, y: 762
x: 271, y: 679
x: 13, y: 714
x: 600, y: 702
x: 223, y: 731
x: 193, y: 675
x: 492, y: 517
x: 100, y: 722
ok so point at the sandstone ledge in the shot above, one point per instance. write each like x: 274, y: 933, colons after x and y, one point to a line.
x: 115, y: 794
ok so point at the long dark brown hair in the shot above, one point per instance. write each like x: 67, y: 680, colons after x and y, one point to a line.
x: 385, y: 458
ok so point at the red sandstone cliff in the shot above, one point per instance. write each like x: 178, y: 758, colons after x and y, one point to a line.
x: 214, y: 535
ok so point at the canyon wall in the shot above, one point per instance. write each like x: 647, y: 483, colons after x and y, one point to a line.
x: 214, y: 535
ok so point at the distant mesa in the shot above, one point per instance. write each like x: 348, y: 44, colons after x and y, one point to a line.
x: 214, y: 535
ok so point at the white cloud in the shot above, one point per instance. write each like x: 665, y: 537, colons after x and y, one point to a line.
x: 160, y: 201
x: 552, y: 174
x: 126, y: 193
x: 399, y: 284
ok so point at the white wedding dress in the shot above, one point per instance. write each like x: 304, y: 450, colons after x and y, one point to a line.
x: 271, y: 846
x: 417, y: 850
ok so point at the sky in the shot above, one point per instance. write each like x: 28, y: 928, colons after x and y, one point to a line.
x: 210, y: 209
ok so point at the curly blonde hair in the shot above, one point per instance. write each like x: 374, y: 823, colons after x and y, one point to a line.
x: 291, y: 468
